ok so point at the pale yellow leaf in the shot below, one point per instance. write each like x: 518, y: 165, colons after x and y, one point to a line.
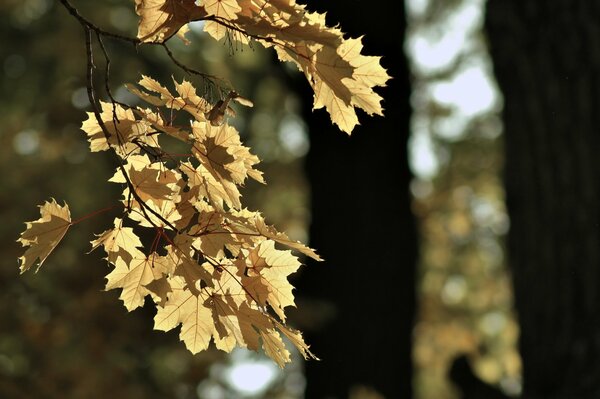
x: 161, y: 19
x: 118, y: 242
x: 186, y: 308
x: 265, y: 273
x: 282, y: 238
x: 122, y: 128
x: 44, y: 234
x: 133, y: 277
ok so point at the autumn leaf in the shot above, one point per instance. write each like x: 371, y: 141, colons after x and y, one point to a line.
x: 340, y: 76
x: 187, y: 100
x: 264, y: 272
x: 149, y: 179
x: 216, y: 147
x: 282, y: 238
x: 161, y: 19
x: 203, y: 185
x: 188, y: 308
x: 135, y: 275
x: 118, y: 242
x: 44, y: 234
x: 122, y: 127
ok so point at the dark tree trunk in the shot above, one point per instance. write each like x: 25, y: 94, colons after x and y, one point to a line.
x: 547, y: 61
x: 362, y: 224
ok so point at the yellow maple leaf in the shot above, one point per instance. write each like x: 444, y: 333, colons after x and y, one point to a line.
x: 203, y: 185
x: 44, y: 234
x: 181, y: 254
x: 187, y: 308
x: 150, y: 180
x: 178, y: 211
x: 220, y: 150
x: 161, y: 19
x: 296, y: 339
x: 118, y: 242
x: 210, y: 232
x: 207, y: 314
x: 264, y: 272
x: 155, y: 119
x: 122, y: 126
x: 341, y: 77
x: 188, y: 99
x: 282, y: 238
x: 274, y: 346
x: 134, y: 276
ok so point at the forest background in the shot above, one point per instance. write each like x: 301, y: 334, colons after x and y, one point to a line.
x: 423, y: 245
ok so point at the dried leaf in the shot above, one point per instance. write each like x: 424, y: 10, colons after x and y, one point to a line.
x: 134, y: 276
x: 118, y: 242
x: 44, y: 234
x: 161, y: 19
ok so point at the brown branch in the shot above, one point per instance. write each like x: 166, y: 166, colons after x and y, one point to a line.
x: 85, y: 22
x: 88, y: 28
x: 107, y: 76
x: 92, y: 98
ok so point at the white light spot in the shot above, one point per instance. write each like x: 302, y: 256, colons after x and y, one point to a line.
x: 251, y: 378
x: 79, y: 98
x: 197, y: 26
x: 493, y: 323
x: 470, y: 92
x: 26, y: 142
x: 423, y: 160
x: 454, y: 290
x: 416, y: 8
x: 293, y: 137
x: 431, y: 52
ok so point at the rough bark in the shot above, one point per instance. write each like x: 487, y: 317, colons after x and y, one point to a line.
x: 362, y: 225
x: 547, y: 61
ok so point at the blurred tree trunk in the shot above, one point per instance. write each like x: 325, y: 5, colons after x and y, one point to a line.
x: 362, y: 224
x: 547, y: 61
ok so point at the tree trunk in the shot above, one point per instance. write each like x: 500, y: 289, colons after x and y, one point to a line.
x: 362, y: 224
x: 547, y: 61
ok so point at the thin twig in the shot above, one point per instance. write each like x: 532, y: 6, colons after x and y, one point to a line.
x: 93, y: 102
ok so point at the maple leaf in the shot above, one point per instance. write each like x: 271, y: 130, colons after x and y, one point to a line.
x: 122, y: 128
x: 221, y: 151
x: 161, y: 19
x: 282, y: 238
x: 204, y: 186
x: 211, y: 234
x: 187, y: 100
x: 341, y: 77
x: 135, y: 275
x: 181, y: 255
x: 296, y: 339
x: 177, y: 212
x: 155, y: 119
x: 264, y: 271
x: 44, y: 234
x: 219, y: 314
x: 150, y: 180
x: 118, y: 242
x: 188, y: 308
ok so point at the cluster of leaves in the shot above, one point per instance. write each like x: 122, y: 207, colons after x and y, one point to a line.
x: 341, y: 77
x: 214, y: 267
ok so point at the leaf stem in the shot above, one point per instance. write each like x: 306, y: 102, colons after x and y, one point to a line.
x: 90, y: 215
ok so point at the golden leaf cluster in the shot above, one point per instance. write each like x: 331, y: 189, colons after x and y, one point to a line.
x: 341, y: 76
x: 214, y: 268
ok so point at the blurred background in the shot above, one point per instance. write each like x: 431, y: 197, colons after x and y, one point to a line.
x: 415, y: 298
